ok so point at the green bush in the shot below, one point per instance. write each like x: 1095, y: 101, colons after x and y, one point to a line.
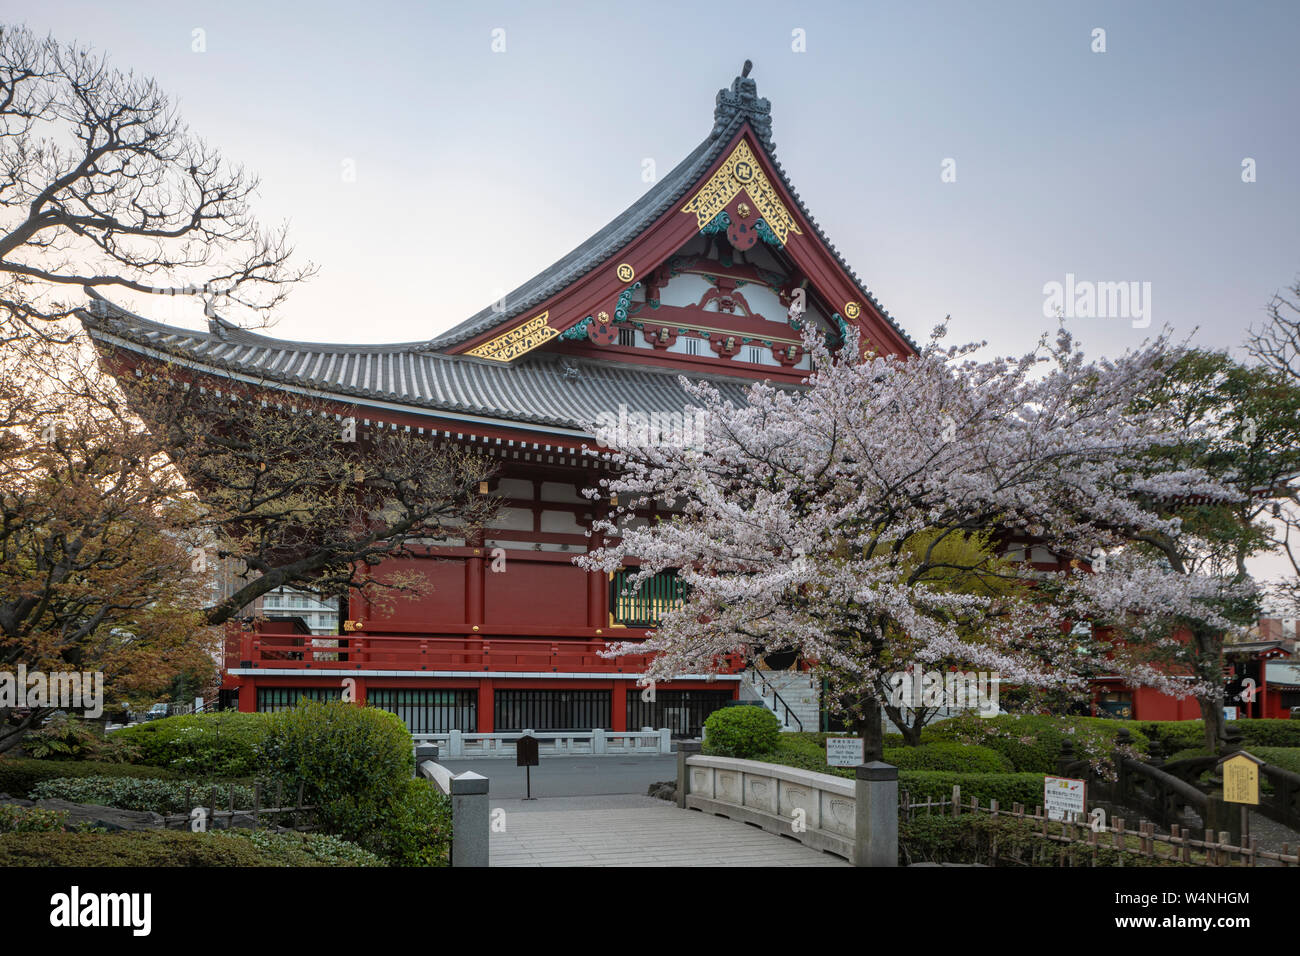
x: 127, y: 793
x: 354, y: 762
x: 1188, y: 753
x: 20, y: 775
x: 1032, y: 742
x: 293, y: 849
x: 16, y: 819
x: 944, y: 755
x: 1288, y: 758
x: 1268, y: 733
x: 1174, y: 735
x: 1185, y: 734
x: 221, y: 744
x: 804, y: 750
x: 1005, y: 788
x: 67, y: 737
x: 416, y: 828
x: 743, y: 732
x: 155, y: 848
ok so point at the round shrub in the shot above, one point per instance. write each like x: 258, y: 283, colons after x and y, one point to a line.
x: 744, y: 732
x: 946, y: 755
x: 353, y: 761
x: 223, y: 744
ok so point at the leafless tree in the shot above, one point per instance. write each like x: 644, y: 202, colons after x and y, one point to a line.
x: 103, y: 185
x: 1276, y: 344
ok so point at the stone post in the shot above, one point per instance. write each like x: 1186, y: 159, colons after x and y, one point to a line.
x: 597, y: 740
x: 685, y: 749
x: 424, y: 752
x: 455, y: 744
x: 876, y: 806
x: 470, y: 820
x: 665, y: 740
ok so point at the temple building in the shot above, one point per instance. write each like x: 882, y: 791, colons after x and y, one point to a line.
x: 711, y: 275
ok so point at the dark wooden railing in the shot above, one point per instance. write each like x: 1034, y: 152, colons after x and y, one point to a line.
x: 1165, y: 791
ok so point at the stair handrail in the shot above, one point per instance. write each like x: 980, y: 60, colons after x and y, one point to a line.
x: 776, y: 696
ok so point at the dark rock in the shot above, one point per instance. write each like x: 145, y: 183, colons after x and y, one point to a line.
x: 110, y: 818
x: 664, y: 790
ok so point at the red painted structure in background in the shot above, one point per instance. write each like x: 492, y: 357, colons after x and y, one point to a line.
x: 480, y: 637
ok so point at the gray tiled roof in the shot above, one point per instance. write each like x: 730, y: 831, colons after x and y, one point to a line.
x: 541, y: 389
x: 734, y: 107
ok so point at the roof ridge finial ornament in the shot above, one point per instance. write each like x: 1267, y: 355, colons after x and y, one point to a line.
x: 742, y: 100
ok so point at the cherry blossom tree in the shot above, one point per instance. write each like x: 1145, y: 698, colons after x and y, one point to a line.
x: 822, y: 520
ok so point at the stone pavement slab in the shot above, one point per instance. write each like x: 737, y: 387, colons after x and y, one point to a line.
x: 631, y: 830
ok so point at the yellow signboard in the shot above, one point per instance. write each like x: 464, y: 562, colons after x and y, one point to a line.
x: 1241, y: 779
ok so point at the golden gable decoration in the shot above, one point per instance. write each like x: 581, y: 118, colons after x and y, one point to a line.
x: 742, y: 172
x: 522, y: 338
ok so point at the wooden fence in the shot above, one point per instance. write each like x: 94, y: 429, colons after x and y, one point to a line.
x: 258, y: 815
x: 1144, y: 846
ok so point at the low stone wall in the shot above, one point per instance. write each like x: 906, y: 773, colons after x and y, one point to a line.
x: 562, y: 743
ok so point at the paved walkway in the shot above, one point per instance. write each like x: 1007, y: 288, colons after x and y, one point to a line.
x: 631, y: 830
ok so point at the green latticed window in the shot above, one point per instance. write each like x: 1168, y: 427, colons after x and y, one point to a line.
x: 645, y: 605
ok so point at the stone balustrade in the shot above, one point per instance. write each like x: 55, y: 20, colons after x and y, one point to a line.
x: 561, y: 743
x: 856, y: 819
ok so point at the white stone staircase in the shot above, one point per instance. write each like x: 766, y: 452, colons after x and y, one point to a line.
x: 794, y: 696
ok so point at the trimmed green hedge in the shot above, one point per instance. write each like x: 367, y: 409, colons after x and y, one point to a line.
x: 1032, y: 742
x: 949, y: 756
x: 1005, y: 788
x: 1288, y: 758
x: 1177, y: 735
x: 808, y: 752
x: 19, y: 775
x: 176, y: 848
x: 221, y: 744
x: 1174, y: 735
x: 744, y: 732
x: 1268, y: 733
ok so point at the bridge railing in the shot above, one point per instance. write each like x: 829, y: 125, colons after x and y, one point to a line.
x: 855, y: 819
x: 470, y: 816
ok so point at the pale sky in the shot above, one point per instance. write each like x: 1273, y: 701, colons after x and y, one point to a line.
x: 476, y: 169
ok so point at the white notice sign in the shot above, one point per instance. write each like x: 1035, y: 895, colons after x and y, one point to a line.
x: 843, y: 751
x: 1062, y: 796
